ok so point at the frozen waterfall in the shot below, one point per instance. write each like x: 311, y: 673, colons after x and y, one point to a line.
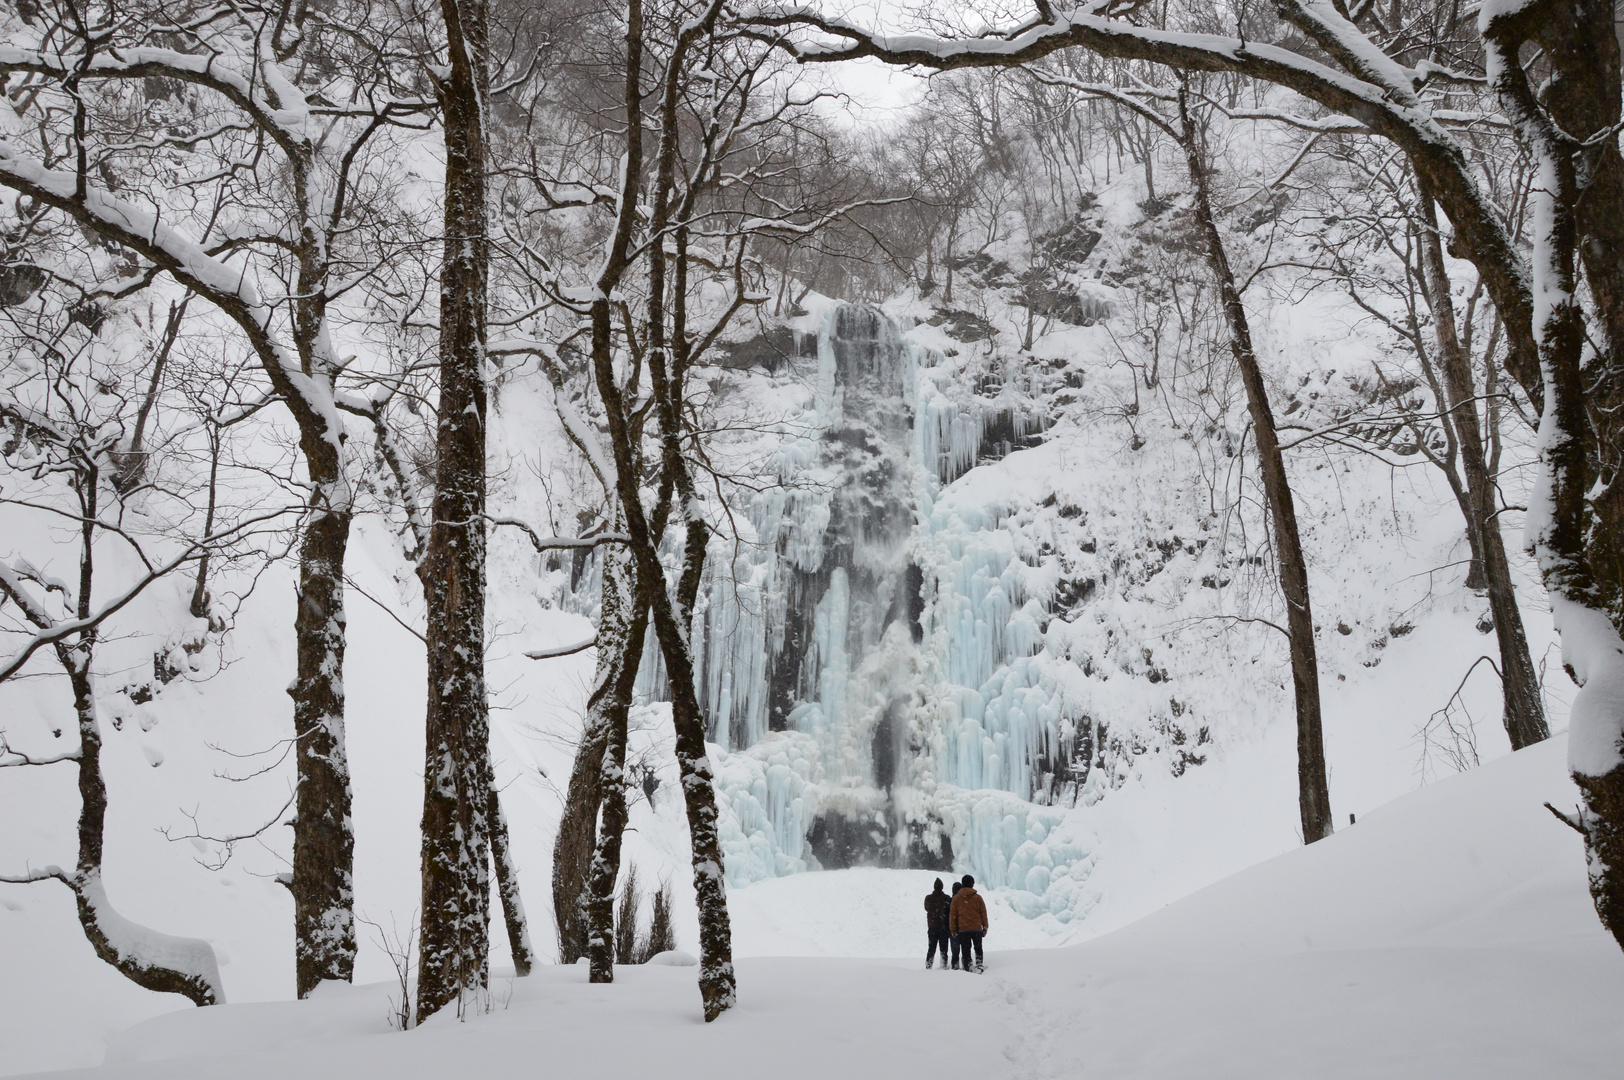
x: 867, y: 663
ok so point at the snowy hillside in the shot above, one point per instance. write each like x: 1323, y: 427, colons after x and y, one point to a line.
x: 1444, y: 935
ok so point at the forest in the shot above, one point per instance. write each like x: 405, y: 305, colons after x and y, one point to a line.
x: 775, y: 455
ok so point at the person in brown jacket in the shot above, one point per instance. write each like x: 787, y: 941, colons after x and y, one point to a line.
x: 967, y: 922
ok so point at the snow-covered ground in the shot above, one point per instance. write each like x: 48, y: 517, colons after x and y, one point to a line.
x: 1447, y: 934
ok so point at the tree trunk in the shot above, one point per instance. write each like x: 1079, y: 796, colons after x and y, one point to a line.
x: 199, y: 606
x: 619, y: 651
x: 605, y: 868
x: 1313, y: 792
x: 717, y: 984
x: 606, y: 859
x: 1584, y: 101
x: 152, y: 960
x: 323, y: 837
x: 1563, y: 522
x: 1524, y: 710
x: 507, y: 886
x: 716, y: 979
x: 455, y: 942
x: 573, y: 847
x: 189, y: 967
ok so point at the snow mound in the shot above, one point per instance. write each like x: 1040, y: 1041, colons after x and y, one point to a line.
x: 674, y: 958
x: 1447, y: 934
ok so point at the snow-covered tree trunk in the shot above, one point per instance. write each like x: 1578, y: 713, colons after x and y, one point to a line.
x: 612, y: 705
x: 644, y: 530
x: 1570, y: 513
x: 1524, y: 708
x: 620, y: 652
x: 574, y: 845
x: 323, y: 833
x: 455, y: 942
x: 669, y: 356
x: 717, y: 984
x: 155, y: 961
x: 605, y: 868
x: 1313, y: 791
x: 507, y: 887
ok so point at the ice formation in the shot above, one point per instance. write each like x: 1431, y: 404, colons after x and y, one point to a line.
x: 868, y: 663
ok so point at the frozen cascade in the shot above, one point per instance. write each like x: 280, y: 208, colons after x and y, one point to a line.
x: 867, y: 663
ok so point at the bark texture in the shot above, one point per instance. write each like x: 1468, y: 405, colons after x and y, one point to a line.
x: 606, y: 860
x: 1313, y: 791
x: 1569, y: 128
x: 717, y: 982
x: 575, y: 845
x: 605, y: 869
x: 323, y: 839
x: 455, y: 943
x: 1602, y: 825
x: 507, y: 886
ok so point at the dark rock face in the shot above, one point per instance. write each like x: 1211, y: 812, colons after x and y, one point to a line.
x: 1074, y: 242
x: 921, y: 855
x: 19, y: 282
x: 838, y: 841
x: 965, y: 326
x: 771, y: 349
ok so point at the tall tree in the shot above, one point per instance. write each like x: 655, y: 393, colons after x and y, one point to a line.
x: 620, y: 639
x: 1373, y: 198
x: 1313, y: 791
x: 614, y: 711
x: 401, y: 484
x: 670, y: 615
x: 1523, y: 711
x: 455, y: 942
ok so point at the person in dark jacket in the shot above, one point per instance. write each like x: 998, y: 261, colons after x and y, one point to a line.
x: 967, y: 920
x: 936, y: 905
x: 954, y: 941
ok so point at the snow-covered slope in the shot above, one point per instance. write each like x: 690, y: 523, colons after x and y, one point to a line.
x: 1447, y: 934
